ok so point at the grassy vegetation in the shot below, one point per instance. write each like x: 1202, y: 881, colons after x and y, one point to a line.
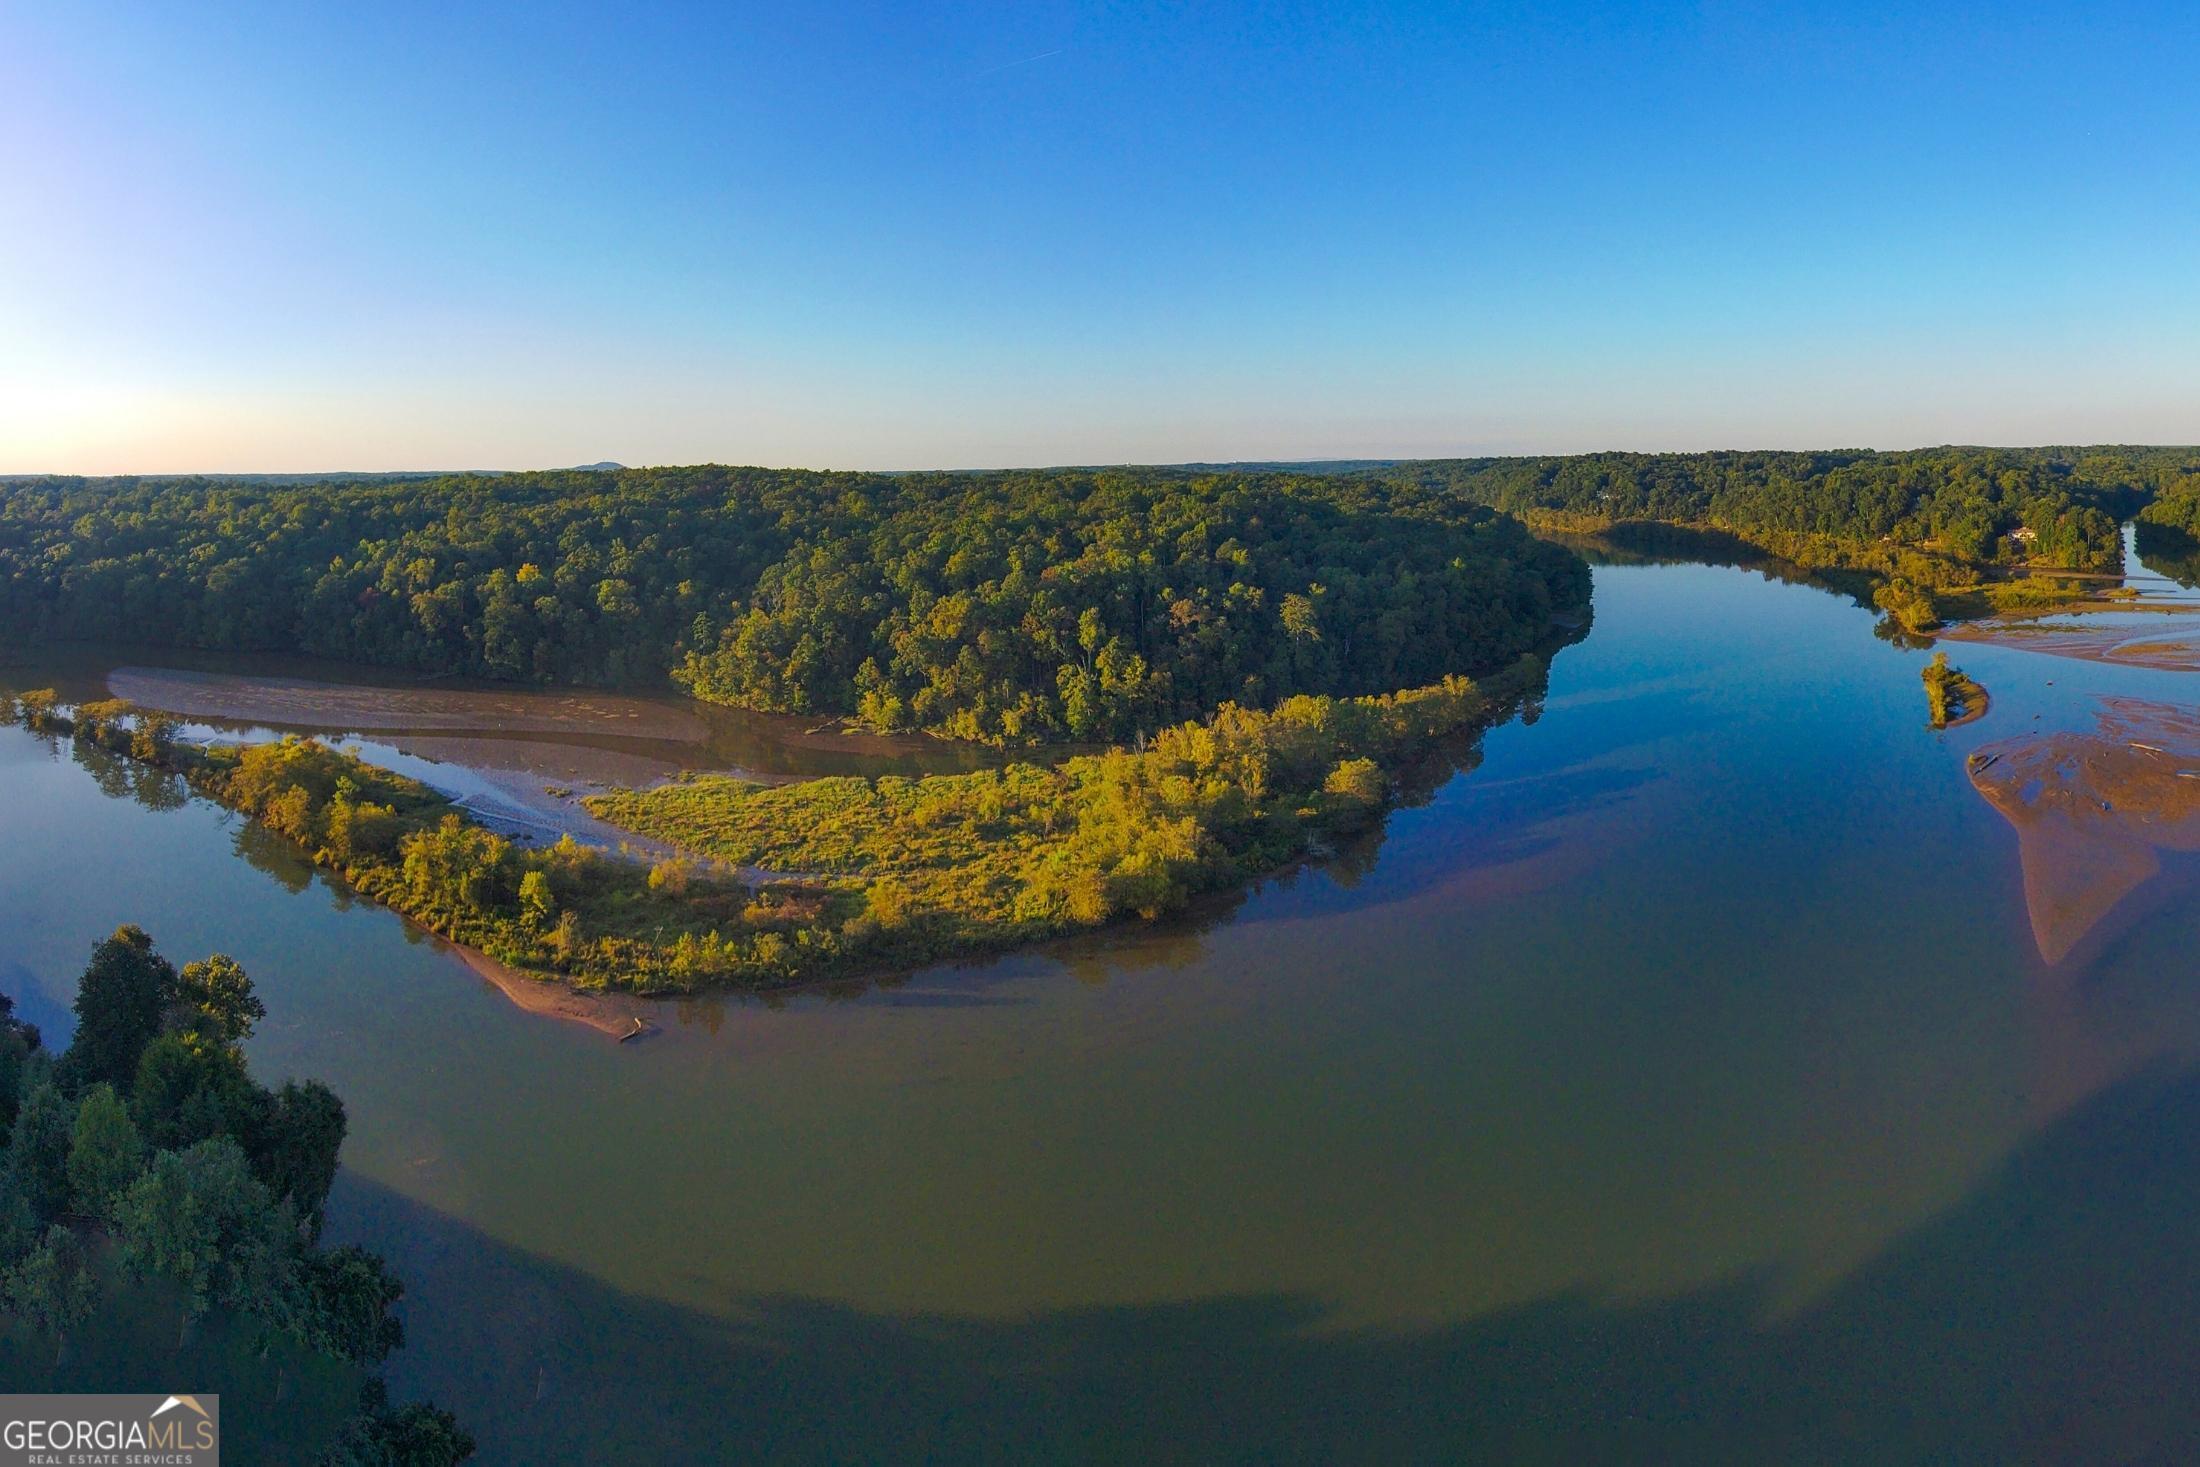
x: 566, y: 909
x: 952, y: 863
x: 868, y: 875
x: 2025, y: 594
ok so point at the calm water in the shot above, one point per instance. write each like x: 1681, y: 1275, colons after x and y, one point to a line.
x: 1682, y: 1084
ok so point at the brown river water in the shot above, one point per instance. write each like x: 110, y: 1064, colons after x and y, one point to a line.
x: 1687, y: 1078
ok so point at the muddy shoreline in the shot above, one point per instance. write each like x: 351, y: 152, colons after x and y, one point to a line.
x: 1976, y: 700
x: 622, y: 1016
x: 2094, y: 811
x: 2171, y: 643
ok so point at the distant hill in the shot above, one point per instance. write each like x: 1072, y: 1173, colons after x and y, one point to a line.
x: 605, y: 467
x: 1292, y: 466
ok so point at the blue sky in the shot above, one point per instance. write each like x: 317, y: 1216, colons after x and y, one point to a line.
x: 265, y: 238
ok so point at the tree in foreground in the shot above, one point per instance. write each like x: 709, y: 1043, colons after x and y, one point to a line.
x: 105, y: 1153
x: 416, y: 1435
x: 120, y: 1004
x: 149, y: 1149
x: 38, y: 1148
x: 13, y: 1028
x: 218, y: 999
x: 199, y: 1218
x: 302, y: 1133
x: 53, y: 1287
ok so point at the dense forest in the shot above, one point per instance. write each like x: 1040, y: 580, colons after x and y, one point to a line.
x: 1012, y: 608
x: 144, y: 1172
x: 2177, y: 507
x: 2045, y: 506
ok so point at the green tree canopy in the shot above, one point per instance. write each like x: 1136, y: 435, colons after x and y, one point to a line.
x: 105, y: 1152
x: 189, y: 1091
x: 219, y: 1000
x: 200, y: 1218
x: 53, y: 1286
x: 221, y: 1192
x: 38, y: 1149
x: 301, y: 1135
x: 1013, y: 608
x: 121, y: 1002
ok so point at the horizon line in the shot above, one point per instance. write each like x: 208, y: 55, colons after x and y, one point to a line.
x: 1071, y: 467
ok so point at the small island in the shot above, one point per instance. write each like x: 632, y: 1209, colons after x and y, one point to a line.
x: 1952, y: 698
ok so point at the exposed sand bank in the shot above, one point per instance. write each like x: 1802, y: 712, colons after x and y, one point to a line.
x: 366, y: 709
x: 2130, y: 635
x: 514, y: 759
x: 619, y: 1015
x: 2092, y: 811
x: 1975, y: 703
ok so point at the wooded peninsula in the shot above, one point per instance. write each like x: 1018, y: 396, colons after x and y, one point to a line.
x: 892, y: 873
x: 1269, y: 656
x: 1013, y: 608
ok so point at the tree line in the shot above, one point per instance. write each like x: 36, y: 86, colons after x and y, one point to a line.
x: 2169, y: 528
x: 1010, y: 608
x: 1979, y: 506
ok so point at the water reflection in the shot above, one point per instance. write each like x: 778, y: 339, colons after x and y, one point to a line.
x: 2144, y: 620
x: 1654, y: 543
x: 2048, y: 1317
x: 516, y: 758
x: 2169, y: 553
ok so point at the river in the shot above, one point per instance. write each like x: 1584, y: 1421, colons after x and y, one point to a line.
x: 1683, y: 1083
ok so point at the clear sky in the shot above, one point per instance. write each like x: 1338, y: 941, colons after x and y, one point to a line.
x: 236, y: 237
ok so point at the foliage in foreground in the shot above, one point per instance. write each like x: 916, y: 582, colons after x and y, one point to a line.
x: 147, y: 1154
